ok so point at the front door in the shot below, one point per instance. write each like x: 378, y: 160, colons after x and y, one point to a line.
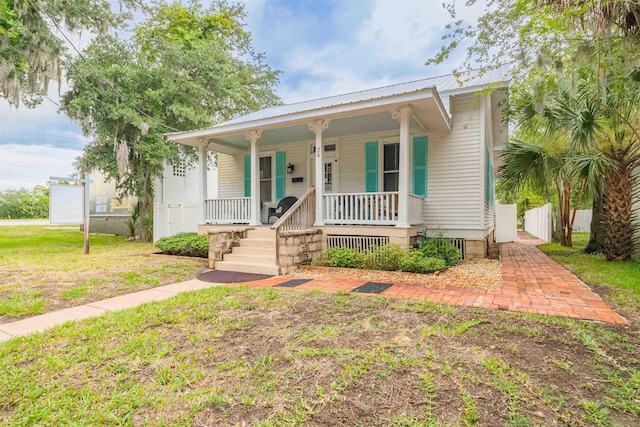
x: 330, y: 168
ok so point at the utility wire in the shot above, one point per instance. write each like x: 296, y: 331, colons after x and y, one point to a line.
x: 105, y: 80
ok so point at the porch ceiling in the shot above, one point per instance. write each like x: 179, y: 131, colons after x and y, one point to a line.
x: 427, y: 112
x: 370, y: 123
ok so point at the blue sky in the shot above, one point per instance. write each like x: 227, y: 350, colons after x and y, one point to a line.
x: 322, y: 47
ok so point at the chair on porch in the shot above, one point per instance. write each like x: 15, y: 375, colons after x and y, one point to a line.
x: 283, y: 206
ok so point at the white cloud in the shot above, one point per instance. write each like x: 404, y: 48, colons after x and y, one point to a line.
x: 388, y: 44
x: 30, y: 165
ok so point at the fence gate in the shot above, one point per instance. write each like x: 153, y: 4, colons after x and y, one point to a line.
x: 170, y: 219
x: 506, y: 223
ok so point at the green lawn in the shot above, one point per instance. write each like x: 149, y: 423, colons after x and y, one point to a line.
x: 44, y: 269
x: 267, y: 357
x: 621, y: 279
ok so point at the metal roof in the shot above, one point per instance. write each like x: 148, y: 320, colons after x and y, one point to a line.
x: 443, y: 84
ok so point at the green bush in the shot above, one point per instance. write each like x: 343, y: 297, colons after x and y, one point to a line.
x: 386, y: 257
x: 441, y: 248
x: 186, y: 244
x: 341, y: 257
x: 416, y: 262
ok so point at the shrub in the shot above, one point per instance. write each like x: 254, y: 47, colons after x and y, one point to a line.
x: 186, y: 244
x: 441, y: 248
x: 340, y: 257
x: 386, y: 257
x: 416, y: 262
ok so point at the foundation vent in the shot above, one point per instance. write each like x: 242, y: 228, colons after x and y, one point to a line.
x: 458, y: 243
x: 359, y: 243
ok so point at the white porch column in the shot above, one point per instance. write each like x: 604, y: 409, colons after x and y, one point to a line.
x: 318, y: 126
x: 202, y: 151
x: 254, y: 137
x: 403, y: 114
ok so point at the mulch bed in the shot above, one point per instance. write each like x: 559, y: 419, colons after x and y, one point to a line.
x: 476, y: 273
x: 218, y: 276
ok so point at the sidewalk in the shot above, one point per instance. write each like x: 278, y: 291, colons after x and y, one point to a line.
x: 48, y: 320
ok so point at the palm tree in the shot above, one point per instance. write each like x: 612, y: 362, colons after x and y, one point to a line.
x: 604, y: 120
x: 548, y: 167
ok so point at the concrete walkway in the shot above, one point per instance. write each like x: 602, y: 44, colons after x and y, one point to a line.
x: 532, y: 283
x: 48, y: 320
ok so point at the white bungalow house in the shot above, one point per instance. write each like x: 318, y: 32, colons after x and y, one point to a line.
x: 393, y: 161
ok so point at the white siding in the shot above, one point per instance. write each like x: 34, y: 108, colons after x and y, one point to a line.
x: 230, y: 175
x: 489, y: 208
x: 351, y: 159
x: 455, y: 182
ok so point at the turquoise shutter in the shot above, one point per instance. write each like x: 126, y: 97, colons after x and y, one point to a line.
x: 247, y: 176
x: 420, y: 155
x: 371, y: 167
x: 281, y: 167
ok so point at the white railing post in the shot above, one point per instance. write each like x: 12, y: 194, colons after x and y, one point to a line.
x: 254, y: 137
x: 318, y: 126
x: 202, y: 151
x: 403, y: 114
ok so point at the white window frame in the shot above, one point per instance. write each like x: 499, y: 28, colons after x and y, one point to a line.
x: 394, y: 140
x: 271, y: 154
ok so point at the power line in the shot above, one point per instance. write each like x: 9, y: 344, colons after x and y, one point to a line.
x: 99, y: 74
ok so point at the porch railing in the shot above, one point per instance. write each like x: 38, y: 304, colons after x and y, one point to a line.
x: 415, y: 209
x: 231, y: 210
x: 361, y: 208
x: 300, y: 216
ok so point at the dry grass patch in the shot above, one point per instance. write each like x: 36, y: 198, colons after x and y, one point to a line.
x: 44, y: 269
x: 265, y: 357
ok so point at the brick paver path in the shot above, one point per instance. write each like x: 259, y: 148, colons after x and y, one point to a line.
x: 532, y: 283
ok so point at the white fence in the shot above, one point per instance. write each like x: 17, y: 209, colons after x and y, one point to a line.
x: 506, y: 223
x: 582, y: 224
x: 539, y: 222
x: 170, y: 219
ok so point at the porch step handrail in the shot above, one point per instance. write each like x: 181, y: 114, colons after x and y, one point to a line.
x: 300, y: 216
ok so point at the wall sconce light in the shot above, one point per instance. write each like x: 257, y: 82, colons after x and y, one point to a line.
x: 290, y: 168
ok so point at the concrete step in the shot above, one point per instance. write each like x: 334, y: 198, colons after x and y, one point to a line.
x: 257, y: 258
x: 258, y: 243
x: 261, y: 233
x: 254, y: 251
x: 247, y: 268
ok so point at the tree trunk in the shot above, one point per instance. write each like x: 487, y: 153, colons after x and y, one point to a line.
x: 617, y: 212
x: 596, y: 236
x: 145, y: 201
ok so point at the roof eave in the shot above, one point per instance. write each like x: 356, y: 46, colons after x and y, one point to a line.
x: 336, y: 111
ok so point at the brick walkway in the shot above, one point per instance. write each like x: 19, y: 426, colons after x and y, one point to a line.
x: 532, y: 283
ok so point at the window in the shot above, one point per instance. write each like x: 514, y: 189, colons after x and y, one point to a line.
x: 266, y: 179
x: 328, y: 177
x: 391, y: 167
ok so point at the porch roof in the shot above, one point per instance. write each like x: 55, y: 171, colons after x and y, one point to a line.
x: 358, y: 112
